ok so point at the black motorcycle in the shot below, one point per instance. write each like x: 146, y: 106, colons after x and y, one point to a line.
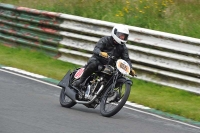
x: 109, y: 86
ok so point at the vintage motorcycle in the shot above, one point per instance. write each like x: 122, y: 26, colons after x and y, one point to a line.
x: 109, y: 86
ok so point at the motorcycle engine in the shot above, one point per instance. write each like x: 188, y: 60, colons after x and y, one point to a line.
x: 108, y: 69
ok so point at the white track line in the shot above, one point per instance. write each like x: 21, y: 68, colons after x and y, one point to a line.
x: 162, y: 117
x: 30, y: 78
x: 124, y: 106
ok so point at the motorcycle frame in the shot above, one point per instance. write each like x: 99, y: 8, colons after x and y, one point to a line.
x: 116, y: 77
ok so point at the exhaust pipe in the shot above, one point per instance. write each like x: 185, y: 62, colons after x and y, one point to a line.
x: 89, y: 102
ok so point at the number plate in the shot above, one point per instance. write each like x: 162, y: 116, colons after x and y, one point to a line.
x: 79, y: 73
x: 123, y: 66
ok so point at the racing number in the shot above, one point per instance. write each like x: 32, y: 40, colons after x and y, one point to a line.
x: 123, y: 66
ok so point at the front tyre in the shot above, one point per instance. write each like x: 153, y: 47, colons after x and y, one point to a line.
x: 113, y: 101
x: 65, y: 101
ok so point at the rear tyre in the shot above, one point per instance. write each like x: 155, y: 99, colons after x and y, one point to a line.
x: 113, y: 101
x: 65, y: 101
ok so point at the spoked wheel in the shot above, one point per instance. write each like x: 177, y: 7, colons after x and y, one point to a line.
x: 114, y: 100
x: 65, y: 101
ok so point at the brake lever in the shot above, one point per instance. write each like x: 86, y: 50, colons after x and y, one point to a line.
x: 132, y: 76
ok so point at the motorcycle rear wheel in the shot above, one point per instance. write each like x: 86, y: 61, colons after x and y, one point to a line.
x: 65, y: 101
x: 112, y: 102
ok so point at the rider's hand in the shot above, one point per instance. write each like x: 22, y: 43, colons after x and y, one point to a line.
x: 132, y: 72
x: 103, y: 54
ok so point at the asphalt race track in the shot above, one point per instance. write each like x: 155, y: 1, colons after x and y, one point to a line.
x: 29, y: 106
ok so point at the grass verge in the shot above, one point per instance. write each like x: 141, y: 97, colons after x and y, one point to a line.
x: 173, y: 16
x: 159, y: 97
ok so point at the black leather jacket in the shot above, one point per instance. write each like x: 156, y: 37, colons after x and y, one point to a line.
x: 107, y: 44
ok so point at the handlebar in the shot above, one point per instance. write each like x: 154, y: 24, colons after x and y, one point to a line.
x: 113, y: 58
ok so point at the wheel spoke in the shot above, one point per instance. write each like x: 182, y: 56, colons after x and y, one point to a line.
x: 114, y: 100
x: 110, y: 107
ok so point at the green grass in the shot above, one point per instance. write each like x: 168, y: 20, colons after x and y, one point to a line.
x: 33, y: 61
x: 152, y: 95
x: 173, y: 16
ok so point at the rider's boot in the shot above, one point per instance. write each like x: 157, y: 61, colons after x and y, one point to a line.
x: 85, y: 75
x: 89, y: 69
x: 78, y: 82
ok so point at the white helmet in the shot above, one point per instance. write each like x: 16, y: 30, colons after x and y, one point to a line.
x: 118, y: 31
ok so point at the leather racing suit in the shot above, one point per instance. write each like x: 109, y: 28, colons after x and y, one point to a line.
x: 108, y: 45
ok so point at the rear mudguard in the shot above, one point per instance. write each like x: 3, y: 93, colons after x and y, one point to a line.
x: 64, y: 83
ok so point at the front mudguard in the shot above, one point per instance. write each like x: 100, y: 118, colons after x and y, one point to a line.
x: 123, y: 80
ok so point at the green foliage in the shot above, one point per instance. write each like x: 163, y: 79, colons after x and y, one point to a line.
x: 173, y: 16
x: 156, y: 96
x: 33, y: 61
x: 166, y: 99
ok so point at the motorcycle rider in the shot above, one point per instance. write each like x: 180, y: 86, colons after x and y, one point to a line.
x: 113, y: 45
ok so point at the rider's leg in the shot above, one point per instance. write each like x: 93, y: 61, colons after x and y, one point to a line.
x: 91, y: 67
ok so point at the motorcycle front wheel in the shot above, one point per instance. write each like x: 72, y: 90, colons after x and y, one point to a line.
x: 65, y: 101
x: 114, y: 100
